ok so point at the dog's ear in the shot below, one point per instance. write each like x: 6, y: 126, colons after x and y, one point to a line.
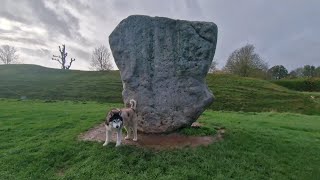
x: 110, y: 114
x: 106, y: 120
x: 120, y: 112
x: 108, y: 117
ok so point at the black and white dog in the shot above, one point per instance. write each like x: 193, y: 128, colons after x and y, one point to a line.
x: 119, y: 118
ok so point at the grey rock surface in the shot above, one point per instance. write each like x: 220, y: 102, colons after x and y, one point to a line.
x: 163, y: 64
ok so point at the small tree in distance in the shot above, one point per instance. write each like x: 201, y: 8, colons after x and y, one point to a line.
x: 309, y: 71
x: 296, y: 73
x: 8, y: 54
x: 278, y: 72
x: 246, y: 63
x: 62, y: 58
x: 317, y: 71
x: 101, y: 59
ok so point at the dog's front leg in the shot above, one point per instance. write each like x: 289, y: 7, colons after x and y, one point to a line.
x: 108, y: 136
x: 119, y: 137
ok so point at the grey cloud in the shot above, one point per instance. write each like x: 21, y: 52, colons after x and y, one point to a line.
x: 35, y: 52
x: 24, y: 40
x: 194, y: 8
x: 15, y: 11
x: 3, y: 31
x: 52, y: 20
x: 79, y: 53
x: 283, y: 32
x: 80, y: 6
x: 271, y: 27
x: 64, y: 24
x: 12, y: 16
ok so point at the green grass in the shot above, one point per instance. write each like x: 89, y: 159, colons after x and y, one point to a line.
x: 300, y: 84
x: 254, y: 95
x: 39, y: 141
x: 38, y: 82
x: 232, y: 93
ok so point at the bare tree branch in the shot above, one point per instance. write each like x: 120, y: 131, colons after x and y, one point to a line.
x: 8, y: 54
x: 62, y: 58
x: 70, y: 63
x: 101, y: 59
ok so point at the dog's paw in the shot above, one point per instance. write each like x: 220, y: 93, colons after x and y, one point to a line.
x: 104, y: 144
x: 135, y: 139
x: 127, y: 137
x: 117, y: 145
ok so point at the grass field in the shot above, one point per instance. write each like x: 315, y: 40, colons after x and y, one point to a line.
x: 254, y: 95
x: 271, y: 132
x: 39, y: 141
x: 232, y: 93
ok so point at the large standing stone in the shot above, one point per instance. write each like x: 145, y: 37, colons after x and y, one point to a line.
x: 163, y: 64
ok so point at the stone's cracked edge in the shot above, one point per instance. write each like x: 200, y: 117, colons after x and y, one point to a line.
x: 197, y: 31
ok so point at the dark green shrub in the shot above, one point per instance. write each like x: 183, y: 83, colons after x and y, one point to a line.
x: 310, y: 84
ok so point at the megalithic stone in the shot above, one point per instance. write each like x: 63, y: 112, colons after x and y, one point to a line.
x: 163, y: 64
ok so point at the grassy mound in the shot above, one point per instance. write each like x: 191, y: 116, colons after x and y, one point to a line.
x: 310, y: 84
x: 39, y: 141
x: 38, y: 82
x: 232, y: 93
x: 235, y: 93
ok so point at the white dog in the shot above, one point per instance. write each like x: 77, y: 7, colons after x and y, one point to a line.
x: 118, y: 118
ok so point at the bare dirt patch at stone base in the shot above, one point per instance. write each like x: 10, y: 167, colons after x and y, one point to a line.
x: 155, y: 141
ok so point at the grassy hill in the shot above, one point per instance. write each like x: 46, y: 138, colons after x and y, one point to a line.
x: 248, y: 94
x: 232, y: 93
x: 38, y: 82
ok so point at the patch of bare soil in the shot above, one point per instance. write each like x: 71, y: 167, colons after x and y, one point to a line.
x: 60, y: 173
x: 155, y: 141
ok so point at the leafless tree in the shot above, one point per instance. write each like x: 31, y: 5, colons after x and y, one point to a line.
x: 101, y: 60
x: 8, y: 54
x: 62, y: 58
x: 245, y: 62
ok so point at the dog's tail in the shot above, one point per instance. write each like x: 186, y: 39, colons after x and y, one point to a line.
x: 133, y: 104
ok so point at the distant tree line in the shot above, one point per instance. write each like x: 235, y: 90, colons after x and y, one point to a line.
x: 246, y: 62
x: 307, y: 71
x: 100, y: 59
x: 243, y: 62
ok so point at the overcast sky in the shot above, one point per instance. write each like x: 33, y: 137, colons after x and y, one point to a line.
x: 284, y: 31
